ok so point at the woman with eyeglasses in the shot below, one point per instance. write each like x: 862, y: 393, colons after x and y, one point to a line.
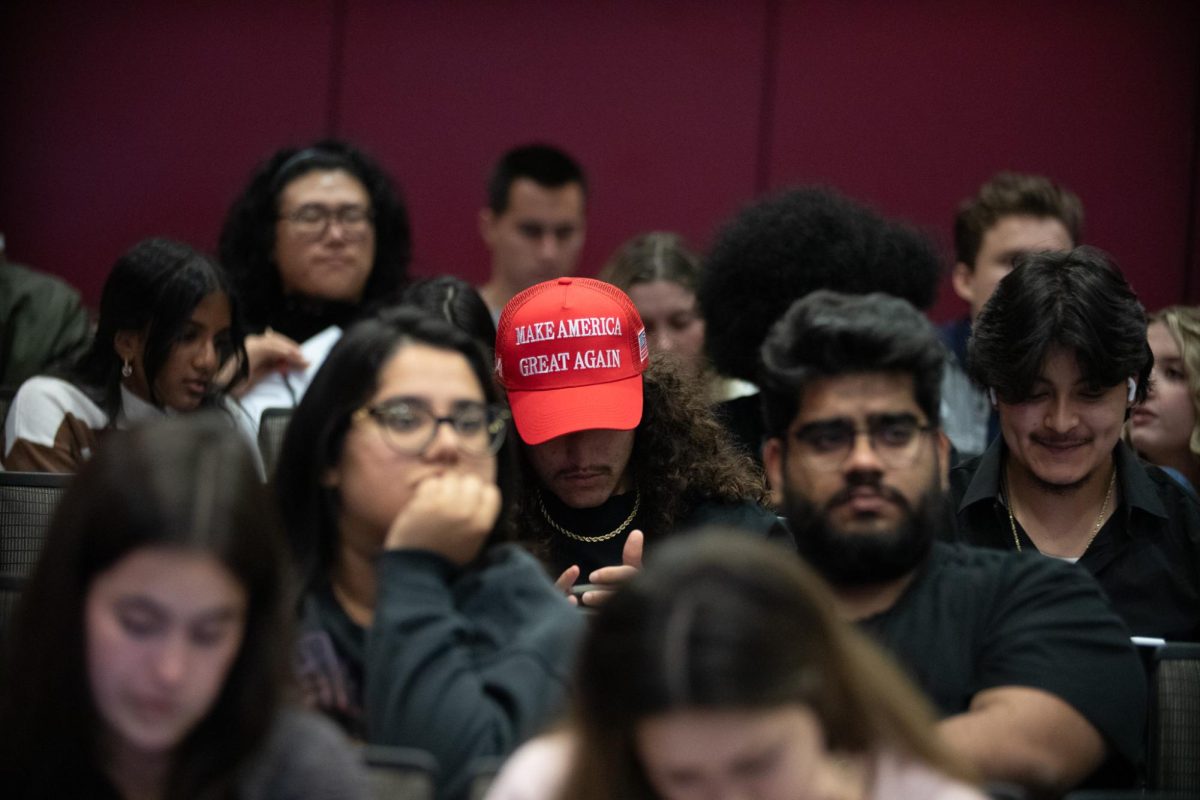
x: 168, y: 325
x: 423, y: 628
x: 317, y: 238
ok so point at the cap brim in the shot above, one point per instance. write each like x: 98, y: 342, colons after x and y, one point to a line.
x: 549, y: 413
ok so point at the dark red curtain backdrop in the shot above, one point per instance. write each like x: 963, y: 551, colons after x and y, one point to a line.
x: 128, y: 119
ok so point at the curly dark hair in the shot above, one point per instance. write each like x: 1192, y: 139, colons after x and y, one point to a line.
x: 248, y: 236
x: 780, y: 249
x: 682, y: 456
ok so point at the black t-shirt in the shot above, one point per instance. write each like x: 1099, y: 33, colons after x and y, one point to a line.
x: 975, y: 619
x: 1146, y: 557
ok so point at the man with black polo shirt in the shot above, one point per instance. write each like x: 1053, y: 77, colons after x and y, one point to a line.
x: 1032, y: 671
x: 1062, y: 348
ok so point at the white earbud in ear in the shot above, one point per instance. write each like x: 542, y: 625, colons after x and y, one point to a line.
x: 1132, y: 390
x: 992, y: 396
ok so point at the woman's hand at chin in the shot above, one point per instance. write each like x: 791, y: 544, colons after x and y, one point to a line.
x: 449, y: 514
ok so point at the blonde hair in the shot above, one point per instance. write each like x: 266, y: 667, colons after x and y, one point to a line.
x: 1184, y: 324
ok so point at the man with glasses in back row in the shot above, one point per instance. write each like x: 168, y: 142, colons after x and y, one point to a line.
x: 1033, y: 674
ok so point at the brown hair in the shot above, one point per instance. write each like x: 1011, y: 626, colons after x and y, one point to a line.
x: 1009, y: 194
x: 185, y: 482
x: 649, y: 257
x: 720, y: 621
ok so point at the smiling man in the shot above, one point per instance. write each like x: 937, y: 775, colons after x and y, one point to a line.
x: 1061, y: 347
x: 614, y: 442
x: 1033, y: 673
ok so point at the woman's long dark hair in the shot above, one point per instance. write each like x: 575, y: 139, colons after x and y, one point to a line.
x: 317, y: 431
x: 248, y: 237
x: 152, y: 289
x: 457, y: 302
x: 186, y: 482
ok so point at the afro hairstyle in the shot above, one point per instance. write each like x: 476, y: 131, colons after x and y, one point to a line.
x: 779, y: 249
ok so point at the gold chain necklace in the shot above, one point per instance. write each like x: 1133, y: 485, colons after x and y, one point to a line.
x: 637, y: 502
x: 1012, y: 523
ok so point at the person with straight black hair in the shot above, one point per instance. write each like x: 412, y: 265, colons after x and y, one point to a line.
x: 423, y: 626
x: 149, y: 655
x: 169, y: 325
x: 1061, y: 348
x: 1032, y: 671
x: 534, y: 222
x: 457, y: 302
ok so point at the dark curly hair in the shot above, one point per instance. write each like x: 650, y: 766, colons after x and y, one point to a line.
x: 248, y: 236
x: 780, y: 249
x: 682, y: 456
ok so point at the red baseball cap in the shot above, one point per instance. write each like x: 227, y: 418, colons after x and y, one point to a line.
x: 571, y: 353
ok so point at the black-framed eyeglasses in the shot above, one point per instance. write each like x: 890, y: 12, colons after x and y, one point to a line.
x: 311, y: 220
x: 409, y: 425
x: 897, y: 440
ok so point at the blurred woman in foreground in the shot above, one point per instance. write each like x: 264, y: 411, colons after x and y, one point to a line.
x: 150, y: 653
x: 723, y: 670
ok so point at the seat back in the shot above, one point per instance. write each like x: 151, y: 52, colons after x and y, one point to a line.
x: 27, y: 503
x: 10, y: 595
x: 400, y: 773
x: 272, y: 427
x: 1174, y: 748
x: 483, y: 774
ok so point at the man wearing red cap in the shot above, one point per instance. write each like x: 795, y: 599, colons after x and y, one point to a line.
x: 616, y: 443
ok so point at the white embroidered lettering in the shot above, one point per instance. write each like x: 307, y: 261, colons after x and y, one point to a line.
x: 540, y: 365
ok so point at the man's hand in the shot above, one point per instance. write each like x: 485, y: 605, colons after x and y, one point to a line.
x: 450, y: 515
x: 566, y: 581
x: 612, y: 578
